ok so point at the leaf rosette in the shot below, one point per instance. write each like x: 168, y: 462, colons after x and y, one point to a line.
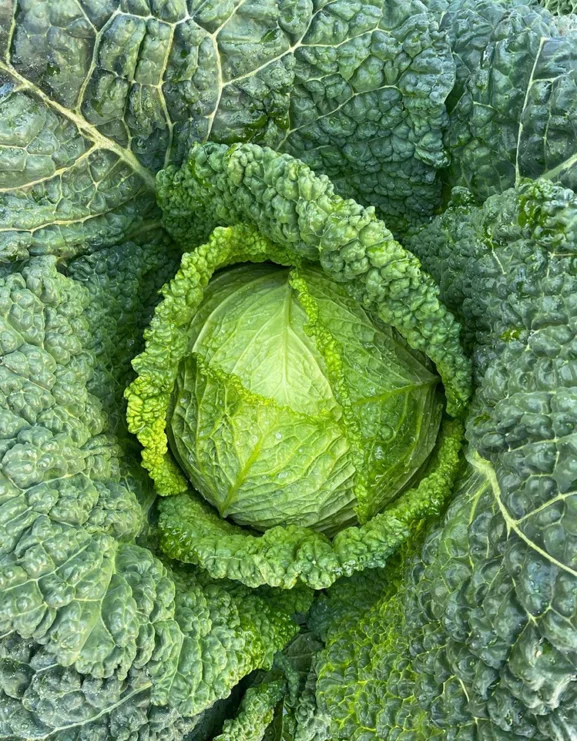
x: 300, y: 401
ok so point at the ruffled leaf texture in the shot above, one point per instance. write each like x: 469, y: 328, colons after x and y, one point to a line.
x: 357, y: 91
x: 94, y: 98
x: 256, y: 713
x: 256, y: 204
x: 97, y: 96
x: 300, y: 214
x: 475, y: 638
x: 81, y: 602
x: 512, y: 108
x: 560, y: 7
x: 100, y: 638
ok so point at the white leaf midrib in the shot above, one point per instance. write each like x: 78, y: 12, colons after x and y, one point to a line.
x: 88, y: 130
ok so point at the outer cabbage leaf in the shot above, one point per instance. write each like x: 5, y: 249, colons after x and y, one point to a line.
x: 559, y: 7
x: 293, y: 713
x: 476, y: 636
x: 40, y: 699
x: 368, y: 105
x: 100, y: 95
x: 492, y: 613
x: 277, y: 705
x: 104, y: 611
x: 512, y: 111
x: 121, y: 284
x: 255, y: 713
x: 364, y: 678
x: 347, y: 597
x: 68, y: 185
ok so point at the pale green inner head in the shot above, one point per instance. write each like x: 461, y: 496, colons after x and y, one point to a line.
x: 294, y: 404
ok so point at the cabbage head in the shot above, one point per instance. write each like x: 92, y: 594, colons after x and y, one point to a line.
x: 292, y: 398
x: 288, y: 400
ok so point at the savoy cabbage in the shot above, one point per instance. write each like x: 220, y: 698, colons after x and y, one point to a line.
x: 415, y: 161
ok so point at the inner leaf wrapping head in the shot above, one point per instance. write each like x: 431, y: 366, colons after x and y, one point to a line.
x: 260, y: 206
